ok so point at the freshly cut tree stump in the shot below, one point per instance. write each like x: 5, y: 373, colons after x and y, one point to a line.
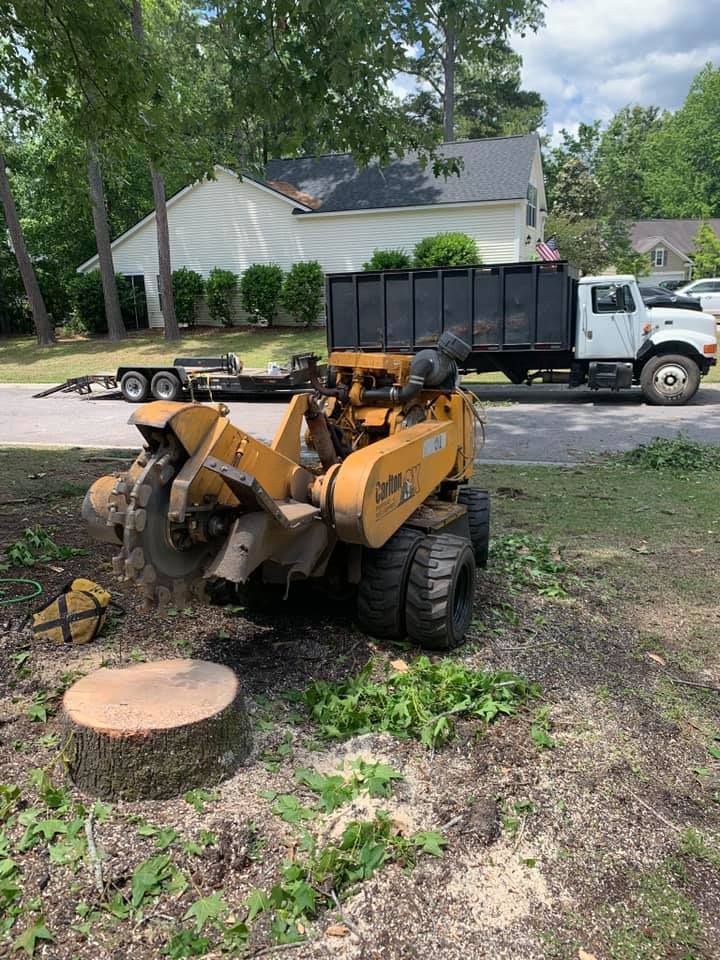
x: 155, y: 730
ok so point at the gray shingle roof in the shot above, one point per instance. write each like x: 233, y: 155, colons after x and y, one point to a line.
x: 679, y: 233
x: 495, y: 169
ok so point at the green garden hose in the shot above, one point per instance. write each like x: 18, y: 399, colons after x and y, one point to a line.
x: 21, y: 599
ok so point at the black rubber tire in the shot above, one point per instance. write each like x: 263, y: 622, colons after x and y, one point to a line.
x: 127, y: 386
x: 165, y: 386
x: 381, y: 592
x: 478, y: 514
x: 652, y: 371
x: 440, y: 592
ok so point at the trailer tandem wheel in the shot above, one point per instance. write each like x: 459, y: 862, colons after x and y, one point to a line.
x: 440, y: 592
x: 382, y: 591
x: 134, y: 386
x: 165, y: 386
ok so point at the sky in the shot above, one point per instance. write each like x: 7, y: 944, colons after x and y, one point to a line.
x: 594, y: 56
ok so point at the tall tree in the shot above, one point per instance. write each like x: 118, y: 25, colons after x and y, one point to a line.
x: 43, y: 327
x: 621, y: 157
x: 446, y: 35
x: 172, y: 330
x: 490, y: 101
x: 96, y: 188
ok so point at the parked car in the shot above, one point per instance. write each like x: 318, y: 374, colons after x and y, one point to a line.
x: 707, y: 291
x: 659, y: 297
x: 672, y: 284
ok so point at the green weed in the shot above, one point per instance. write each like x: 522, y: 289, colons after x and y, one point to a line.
x: 37, y: 546
x: 422, y: 702
x: 679, y: 454
x: 526, y: 560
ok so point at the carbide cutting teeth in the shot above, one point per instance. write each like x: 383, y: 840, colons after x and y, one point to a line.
x: 140, y: 518
x: 137, y: 558
x: 142, y: 494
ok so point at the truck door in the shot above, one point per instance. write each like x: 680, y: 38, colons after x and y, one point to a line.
x: 611, y: 325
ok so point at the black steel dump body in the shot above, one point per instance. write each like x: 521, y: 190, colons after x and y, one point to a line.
x: 512, y: 307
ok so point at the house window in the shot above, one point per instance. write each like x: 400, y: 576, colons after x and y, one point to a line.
x: 659, y: 257
x: 531, y: 214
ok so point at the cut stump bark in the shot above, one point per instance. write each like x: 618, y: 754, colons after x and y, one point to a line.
x: 155, y: 730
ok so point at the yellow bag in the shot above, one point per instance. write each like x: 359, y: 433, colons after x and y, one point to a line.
x: 75, y: 616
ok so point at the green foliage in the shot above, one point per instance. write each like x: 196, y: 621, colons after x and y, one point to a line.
x: 28, y: 939
x: 302, y: 292
x: 446, y: 250
x: 421, y: 702
x: 188, y: 287
x: 37, y: 546
x: 577, y: 192
x: 677, y: 454
x: 335, y: 790
x: 706, y: 258
x: 637, y: 264
x: 198, y: 797
x: 206, y: 909
x: 220, y: 289
x: 388, y: 260
x: 87, y: 304
x: 526, y: 560
x: 541, y: 727
x: 149, y: 877
x: 260, y: 289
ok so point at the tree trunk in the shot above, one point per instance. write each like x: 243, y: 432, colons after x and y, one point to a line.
x: 155, y: 730
x: 116, y: 327
x: 43, y: 327
x: 449, y: 87
x: 172, y: 330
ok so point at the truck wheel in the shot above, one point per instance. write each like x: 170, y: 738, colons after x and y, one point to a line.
x: 382, y: 590
x: 669, y: 379
x: 440, y: 592
x: 165, y: 386
x: 478, y: 514
x: 134, y: 386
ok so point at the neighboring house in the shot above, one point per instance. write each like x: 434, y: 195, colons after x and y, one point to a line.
x: 670, y: 245
x: 327, y: 209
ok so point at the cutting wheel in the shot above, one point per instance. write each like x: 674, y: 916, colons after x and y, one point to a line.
x: 158, y: 555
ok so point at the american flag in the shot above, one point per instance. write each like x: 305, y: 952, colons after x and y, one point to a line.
x: 548, y: 249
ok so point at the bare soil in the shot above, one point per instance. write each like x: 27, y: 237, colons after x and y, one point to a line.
x: 583, y: 850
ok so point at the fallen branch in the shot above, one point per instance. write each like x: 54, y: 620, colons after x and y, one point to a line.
x: 106, y: 459
x: 93, y: 854
x: 653, y: 811
x: 691, y: 683
x: 452, y: 823
x: 351, y: 927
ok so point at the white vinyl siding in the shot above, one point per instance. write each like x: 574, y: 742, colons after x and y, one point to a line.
x: 231, y: 223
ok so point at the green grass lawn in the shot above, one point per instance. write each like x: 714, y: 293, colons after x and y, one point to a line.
x: 22, y: 361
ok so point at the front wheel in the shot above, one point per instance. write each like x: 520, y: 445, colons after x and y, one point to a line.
x: 670, y: 380
x: 440, y: 592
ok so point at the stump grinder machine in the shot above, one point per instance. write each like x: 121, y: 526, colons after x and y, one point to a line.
x: 387, y: 511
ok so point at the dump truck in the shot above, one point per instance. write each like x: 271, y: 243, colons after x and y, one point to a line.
x: 206, y: 377
x: 531, y: 322
x: 385, y: 509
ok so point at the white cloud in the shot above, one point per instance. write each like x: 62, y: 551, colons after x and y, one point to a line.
x: 592, y: 58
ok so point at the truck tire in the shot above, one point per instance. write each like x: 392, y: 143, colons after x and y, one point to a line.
x: 134, y: 386
x: 165, y: 386
x: 440, y: 592
x: 669, y: 380
x: 477, y: 503
x: 382, y: 591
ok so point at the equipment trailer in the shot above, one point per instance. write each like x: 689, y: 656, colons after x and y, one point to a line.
x: 529, y: 321
x: 205, y: 377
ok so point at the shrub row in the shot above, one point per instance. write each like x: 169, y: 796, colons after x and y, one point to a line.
x: 264, y: 288
x: 440, y: 250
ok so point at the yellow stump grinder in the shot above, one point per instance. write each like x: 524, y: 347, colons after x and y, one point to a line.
x: 388, y: 508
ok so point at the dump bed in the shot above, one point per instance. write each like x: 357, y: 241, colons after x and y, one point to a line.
x: 495, y: 307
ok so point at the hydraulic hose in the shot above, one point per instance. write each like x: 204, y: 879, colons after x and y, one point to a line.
x: 429, y: 368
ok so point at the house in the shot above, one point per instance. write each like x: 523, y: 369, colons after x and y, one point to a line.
x: 328, y: 209
x: 670, y: 245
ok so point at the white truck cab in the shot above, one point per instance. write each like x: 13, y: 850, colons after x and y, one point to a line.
x: 620, y: 341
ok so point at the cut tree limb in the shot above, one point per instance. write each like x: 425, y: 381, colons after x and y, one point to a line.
x: 155, y: 730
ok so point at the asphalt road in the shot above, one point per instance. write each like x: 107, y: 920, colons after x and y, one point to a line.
x: 543, y: 424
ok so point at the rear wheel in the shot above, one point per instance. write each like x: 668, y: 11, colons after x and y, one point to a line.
x: 134, y: 386
x: 477, y: 503
x: 670, y: 380
x: 440, y: 592
x: 165, y: 386
x: 382, y: 590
